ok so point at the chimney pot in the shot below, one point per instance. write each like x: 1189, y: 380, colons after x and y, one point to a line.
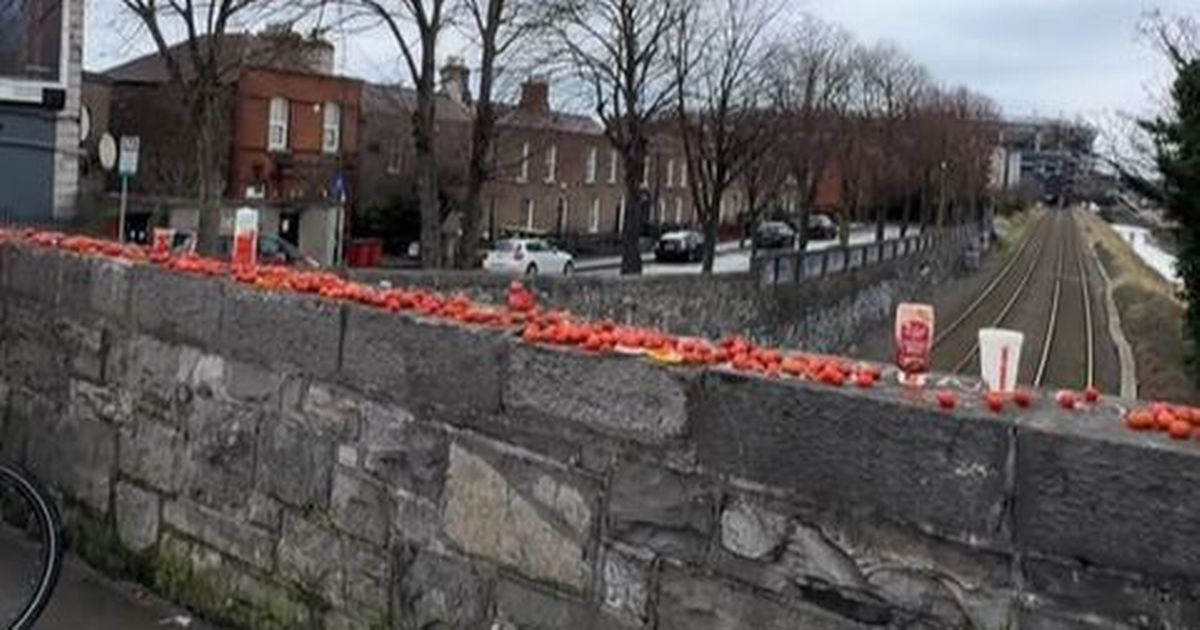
x: 535, y: 95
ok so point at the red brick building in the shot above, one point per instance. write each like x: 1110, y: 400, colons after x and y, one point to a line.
x: 289, y: 134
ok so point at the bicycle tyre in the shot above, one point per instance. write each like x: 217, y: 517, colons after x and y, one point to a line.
x: 47, y: 534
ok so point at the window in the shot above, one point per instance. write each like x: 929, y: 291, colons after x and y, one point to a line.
x: 537, y: 246
x: 394, y: 158
x: 331, y: 136
x: 646, y: 172
x: 551, y: 163
x: 277, y: 125
x: 594, y: 218
x: 612, y: 166
x: 564, y: 219
x: 527, y: 210
x: 621, y: 214
x: 591, y: 166
x: 523, y: 176
x: 679, y: 210
x: 683, y: 174
x: 662, y: 211
x: 670, y: 171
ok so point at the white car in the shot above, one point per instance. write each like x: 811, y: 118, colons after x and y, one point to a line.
x: 528, y: 256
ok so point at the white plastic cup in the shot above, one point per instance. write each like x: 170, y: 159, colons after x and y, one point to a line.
x: 1000, y: 358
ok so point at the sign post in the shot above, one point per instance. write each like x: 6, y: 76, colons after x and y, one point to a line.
x: 126, y: 167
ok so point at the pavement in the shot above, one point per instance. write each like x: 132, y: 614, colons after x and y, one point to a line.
x: 84, y: 599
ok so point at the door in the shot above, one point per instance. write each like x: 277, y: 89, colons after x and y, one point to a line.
x: 289, y: 227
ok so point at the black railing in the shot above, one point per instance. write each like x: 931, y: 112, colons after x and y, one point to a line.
x: 775, y: 268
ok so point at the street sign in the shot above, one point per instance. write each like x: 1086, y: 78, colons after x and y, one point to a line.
x: 108, y: 151
x: 129, y: 155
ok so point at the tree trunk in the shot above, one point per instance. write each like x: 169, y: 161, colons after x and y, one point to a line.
x: 880, y: 222
x: 477, y: 174
x: 208, y: 231
x: 906, y: 215
x: 631, y: 252
x: 711, y: 219
x: 427, y: 184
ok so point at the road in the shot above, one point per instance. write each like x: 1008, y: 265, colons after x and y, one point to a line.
x: 85, y: 599
x: 730, y: 257
x: 1049, y: 289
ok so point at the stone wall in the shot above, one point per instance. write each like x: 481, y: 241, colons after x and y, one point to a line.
x: 288, y: 462
x: 829, y: 314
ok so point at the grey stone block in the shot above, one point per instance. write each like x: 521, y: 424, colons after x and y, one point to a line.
x: 752, y: 531
x: 104, y: 403
x: 34, y: 354
x: 95, y: 286
x: 224, y: 532
x: 175, y: 306
x: 661, y: 509
x: 904, y: 461
x: 295, y: 463
x: 1110, y: 497
x: 153, y: 454
x: 360, y: 507
x: 530, y: 607
x: 438, y: 591
x: 34, y: 273
x: 282, y: 331
x: 335, y: 412
x: 692, y: 602
x: 77, y: 455
x: 623, y: 396
x: 423, y: 362
x: 541, y: 526
x: 626, y: 591
x: 218, y: 466
x: 411, y: 456
x: 137, y: 514
x: 250, y: 383
x: 1116, y: 597
x: 311, y: 555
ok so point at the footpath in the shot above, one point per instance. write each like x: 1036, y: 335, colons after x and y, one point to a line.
x: 84, y: 599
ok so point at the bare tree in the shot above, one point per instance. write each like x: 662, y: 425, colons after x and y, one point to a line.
x: 419, y: 52
x: 498, y: 26
x: 617, y: 49
x: 719, y: 95
x: 198, y: 69
x: 811, y: 79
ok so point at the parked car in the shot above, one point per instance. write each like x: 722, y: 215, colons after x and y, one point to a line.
x: 774, y: 235
x: 821, y: 227
x: 528, y: 256
x: 272, y: 250
x: 679, y: 246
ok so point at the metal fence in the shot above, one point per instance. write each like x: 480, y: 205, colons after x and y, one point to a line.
x: 792, y: 267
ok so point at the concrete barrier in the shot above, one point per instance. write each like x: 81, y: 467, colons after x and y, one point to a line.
x: 287, y: 462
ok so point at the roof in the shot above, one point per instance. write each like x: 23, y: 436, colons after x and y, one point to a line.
x: 380, y: 98
x: 292, y: 53
x: 513, y: 116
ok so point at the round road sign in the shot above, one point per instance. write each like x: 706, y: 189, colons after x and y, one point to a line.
x: 108, y: 151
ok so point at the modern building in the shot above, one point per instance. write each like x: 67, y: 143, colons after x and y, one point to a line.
x: 41, y: 55
x: 1047, y: 158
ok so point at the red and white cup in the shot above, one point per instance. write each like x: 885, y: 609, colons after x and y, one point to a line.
x: 1000, y: 358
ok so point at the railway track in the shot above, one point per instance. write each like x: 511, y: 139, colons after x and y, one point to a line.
x: 993, y: 304
x: 1043, y: 292
x: 1059, y: 362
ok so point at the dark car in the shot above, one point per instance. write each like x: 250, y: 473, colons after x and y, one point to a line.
x: 821, y: 227
x: 679, y: 246
x: 272, y: 250
x: 774, y: 235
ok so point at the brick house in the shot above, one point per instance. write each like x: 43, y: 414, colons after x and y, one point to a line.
x: 289, y: 138
x: 554, y: 172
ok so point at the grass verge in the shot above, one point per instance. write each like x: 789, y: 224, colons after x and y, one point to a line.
x: 1151, y: 317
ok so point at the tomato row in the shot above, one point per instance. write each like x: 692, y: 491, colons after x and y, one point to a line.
x: 1178, y: 421
x: 522, y: 314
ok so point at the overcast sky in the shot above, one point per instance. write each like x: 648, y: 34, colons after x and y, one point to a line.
x: 1047, y: 57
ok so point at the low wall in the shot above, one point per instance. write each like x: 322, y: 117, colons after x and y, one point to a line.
x: 827, y: 314
x: 283, y: 461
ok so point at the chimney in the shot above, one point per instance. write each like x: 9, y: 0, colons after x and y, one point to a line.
x: 535, y: 95
x: 455, y: 76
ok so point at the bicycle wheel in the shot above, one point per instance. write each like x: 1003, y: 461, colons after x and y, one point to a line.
x: 30, y: 549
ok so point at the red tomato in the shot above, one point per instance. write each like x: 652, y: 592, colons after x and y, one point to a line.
x: 994, y: 401
x: 1066, y: 399
x: 947, y: 399
x: 1180, y: 430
